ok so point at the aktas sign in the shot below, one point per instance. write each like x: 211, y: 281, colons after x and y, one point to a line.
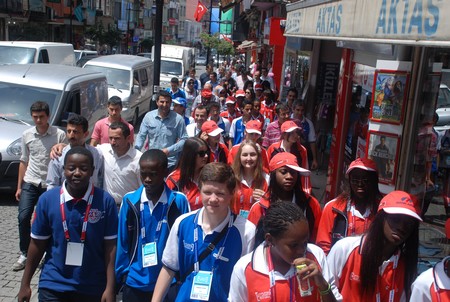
x: 408, y: 21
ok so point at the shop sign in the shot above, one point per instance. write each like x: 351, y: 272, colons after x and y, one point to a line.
x: 406, y: 20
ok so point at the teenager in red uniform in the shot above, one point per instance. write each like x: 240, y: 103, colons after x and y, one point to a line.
x: 232, y: 112
x: 194, y: 156
x: 290, y: 142
x: 252, y: 132
x: 433, y: 285
x: 252, y: 183
x: 269, y: 274
x: 351, y: 212
x: 256, y: 111
x: 211, y: 134
x: 285, y: 186
x: 381, y: 265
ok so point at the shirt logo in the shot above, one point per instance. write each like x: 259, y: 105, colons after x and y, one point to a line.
x: 262, y: 295
x: 94, y: 215
x: 188, y: 246
x: 354, y: 277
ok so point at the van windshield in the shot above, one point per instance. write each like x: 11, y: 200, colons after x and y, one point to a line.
x: 170, y: 67
x: 16, y: 100
x: 16, y: 55
x: 117, y: 78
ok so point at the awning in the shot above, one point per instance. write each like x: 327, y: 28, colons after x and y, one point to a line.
x: 247, y: 44
x: 399, y: 22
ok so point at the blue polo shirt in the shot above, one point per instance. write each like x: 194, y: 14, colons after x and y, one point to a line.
x: 90, y: 277
x: 179, y: 252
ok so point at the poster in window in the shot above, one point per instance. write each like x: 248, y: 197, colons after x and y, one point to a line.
x: 383, y: 150
x: 389, y: 96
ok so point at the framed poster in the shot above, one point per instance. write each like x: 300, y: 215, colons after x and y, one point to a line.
x: 382, y: 148
x: 389, y: 96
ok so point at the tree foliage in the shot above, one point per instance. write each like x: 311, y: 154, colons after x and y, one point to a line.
x: 213, y: 41
x: 110, y: 36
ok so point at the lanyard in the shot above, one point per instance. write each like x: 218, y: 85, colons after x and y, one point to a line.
x: 221, y: 249
x: 351, y: 209
x: 86, y: 215
x: 392, y: 291
x: 160, y: 221
x: 273, y: 293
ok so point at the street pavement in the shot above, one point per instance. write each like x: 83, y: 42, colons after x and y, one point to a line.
x: 431, y: 231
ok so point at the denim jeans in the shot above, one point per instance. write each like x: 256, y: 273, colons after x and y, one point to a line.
x: 28, y: 199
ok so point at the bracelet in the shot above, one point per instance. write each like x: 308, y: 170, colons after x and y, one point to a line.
x: 325, y: 292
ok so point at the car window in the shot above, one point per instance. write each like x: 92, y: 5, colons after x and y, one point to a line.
x: 444, y: 97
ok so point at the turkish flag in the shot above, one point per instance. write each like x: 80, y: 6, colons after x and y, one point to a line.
x: 200, y: 11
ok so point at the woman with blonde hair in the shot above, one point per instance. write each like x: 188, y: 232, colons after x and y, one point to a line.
x: 252, y: 183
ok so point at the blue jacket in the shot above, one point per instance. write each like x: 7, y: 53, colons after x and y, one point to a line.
x: 129, y: 268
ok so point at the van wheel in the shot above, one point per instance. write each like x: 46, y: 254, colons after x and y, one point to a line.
x: 136, y: 117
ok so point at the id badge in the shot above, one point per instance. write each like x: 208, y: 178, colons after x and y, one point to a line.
x: 244, y: 213
x: 149, y: 254
x: 74, y: 253
x: 201, y: 286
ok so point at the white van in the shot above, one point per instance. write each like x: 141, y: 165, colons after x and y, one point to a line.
x: 66, y: 89
x: 130, y: 78
x: 36, y: 52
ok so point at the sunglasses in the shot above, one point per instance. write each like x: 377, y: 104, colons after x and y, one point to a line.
x: 190, y: 83
x: 359, y: 181
x: 202, y: 153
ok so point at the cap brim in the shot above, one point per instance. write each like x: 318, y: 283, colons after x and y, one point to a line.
x: 229, y: 102
x: 291, y: 129
x: 238, y: 95
x: 360, y: 167
x: 253, y: 131
x: 403, y: 211
x: 302, y: 171
x: 215, y: 132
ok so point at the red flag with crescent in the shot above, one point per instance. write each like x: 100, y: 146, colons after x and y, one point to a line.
x: 200, y: 11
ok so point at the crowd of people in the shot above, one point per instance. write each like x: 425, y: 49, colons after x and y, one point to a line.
x: 211, y: 202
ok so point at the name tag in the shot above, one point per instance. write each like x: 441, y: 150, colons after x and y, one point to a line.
x: 201, y: 286
x: 149, y: 254
x: 244, y: 213
x: 74, y: 253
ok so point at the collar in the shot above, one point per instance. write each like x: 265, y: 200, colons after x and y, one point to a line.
x: 68, y: 197
x: 218, y: 228
x: 162, y: 199
x: 260, y: 264
x: 50, y: 130
x: 130, y: 153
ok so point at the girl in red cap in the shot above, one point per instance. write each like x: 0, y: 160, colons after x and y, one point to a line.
x: 252, y: 183
x: 351, y: 212
x: 284, y: 263
x: 382, y: 264
x: 290, y: 142
x: 184, y: 178
x: 285, y: 186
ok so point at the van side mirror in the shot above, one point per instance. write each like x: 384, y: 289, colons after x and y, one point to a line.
x: 136, y: 89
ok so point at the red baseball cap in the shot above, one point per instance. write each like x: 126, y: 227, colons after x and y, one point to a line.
x: 253, y: 126
x: 230, y: 100
x: 400, y: 202
x: 206, y: 93
x: 240, y: 92
x: 258, y: 87
x: 289, y: 126
x: 211, y: 128
x: 286, y: 159
x: 362, y: 163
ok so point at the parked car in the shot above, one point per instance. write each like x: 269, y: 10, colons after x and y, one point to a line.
x: 200, y: 60
x: 66, y: 89
x: 443, y: 109
x: 82, y: 56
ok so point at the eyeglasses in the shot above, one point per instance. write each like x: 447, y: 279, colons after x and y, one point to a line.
x: 190, y: 83
x: 202, y: 153
x: 247, y: 92
x: 359, y: 181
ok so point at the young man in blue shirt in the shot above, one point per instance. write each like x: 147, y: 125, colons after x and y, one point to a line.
x: 192, y: 234
x: 145, y: 219
x: 76, y: 225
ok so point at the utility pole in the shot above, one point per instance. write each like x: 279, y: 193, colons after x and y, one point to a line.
x: 157, y: 50
x: 208, y: 50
